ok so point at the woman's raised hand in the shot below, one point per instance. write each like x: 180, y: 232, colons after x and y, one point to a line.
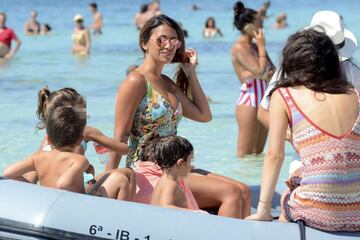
x: 260, y: 38
x: 190, y: 66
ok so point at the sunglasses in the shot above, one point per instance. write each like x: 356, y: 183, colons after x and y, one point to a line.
x: 162, y: 41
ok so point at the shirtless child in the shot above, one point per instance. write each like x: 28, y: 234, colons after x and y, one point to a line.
x: 61, y: 167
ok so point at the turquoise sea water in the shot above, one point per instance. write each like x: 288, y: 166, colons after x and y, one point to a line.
x: 47, y: 60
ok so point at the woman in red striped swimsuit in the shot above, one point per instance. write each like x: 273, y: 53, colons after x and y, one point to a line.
x: 254, y: 69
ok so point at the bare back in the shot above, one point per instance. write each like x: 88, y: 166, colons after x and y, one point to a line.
x: 335, y: 113
x: 168, y: 193
x: 97, y: 21
x: 55, y: 167
x: 245, y: 57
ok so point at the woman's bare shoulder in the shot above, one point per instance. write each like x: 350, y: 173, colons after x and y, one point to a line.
x: 240, y: 47
x: 134, y: 80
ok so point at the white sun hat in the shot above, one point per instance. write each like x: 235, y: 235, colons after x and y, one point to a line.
x: 331, y: 23
x: 78, y: 17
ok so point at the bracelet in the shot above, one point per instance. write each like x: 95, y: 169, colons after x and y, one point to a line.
x: 265, y: 202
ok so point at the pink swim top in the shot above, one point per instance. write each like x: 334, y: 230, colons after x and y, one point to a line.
x: 147, y: 176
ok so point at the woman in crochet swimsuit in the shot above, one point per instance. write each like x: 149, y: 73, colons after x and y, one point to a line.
x: 149, y: 101
x: 254, y: 68
x: 310, y: 98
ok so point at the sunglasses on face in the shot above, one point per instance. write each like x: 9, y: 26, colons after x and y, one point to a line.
x: 162, y: 41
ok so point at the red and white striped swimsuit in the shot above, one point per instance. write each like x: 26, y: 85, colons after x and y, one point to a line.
x: 252, y: 92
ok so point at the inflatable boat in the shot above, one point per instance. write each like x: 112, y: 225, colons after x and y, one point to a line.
x: 33, y: 212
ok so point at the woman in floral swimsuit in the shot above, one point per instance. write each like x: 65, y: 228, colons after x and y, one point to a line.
x: 149, y: 101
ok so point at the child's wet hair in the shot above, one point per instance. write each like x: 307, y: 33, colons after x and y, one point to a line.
x: 65, y: 126
x: 48, y: 101
x: 166, y: 151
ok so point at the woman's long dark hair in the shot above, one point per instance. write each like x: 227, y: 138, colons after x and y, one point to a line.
x: 208, y: 20
x: 145, y: 33
x: 310, y: 59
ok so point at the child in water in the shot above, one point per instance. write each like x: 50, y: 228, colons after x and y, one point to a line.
x: 174, y: 155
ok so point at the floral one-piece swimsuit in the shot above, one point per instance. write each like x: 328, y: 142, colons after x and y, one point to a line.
x: 154, y: 114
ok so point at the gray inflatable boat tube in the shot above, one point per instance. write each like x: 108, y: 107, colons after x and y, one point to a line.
x: 30, y: 211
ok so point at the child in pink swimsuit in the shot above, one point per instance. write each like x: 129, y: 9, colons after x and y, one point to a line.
x: 173, y: 155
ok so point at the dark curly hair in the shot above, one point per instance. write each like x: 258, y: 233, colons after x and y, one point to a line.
x: 165, y: 151
x: 310, y: 59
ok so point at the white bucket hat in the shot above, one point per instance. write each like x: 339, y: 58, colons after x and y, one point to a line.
x: 331, y: 23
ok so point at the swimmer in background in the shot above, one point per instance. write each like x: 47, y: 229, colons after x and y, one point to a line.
x: 80, y: 37
x: 154, y: 8
x: 7, y: 35
x: 281, y: 21
x: 194, y: 7
x: 210, y: 30
x: 98, y: 21
x: 130, y: 69
x: 45, y: 29
x: 147, y: 11
x: 32, y: 26
x: 262, y: 12
x: 141, y: 17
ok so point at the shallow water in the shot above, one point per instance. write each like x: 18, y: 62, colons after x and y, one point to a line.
x: 47, y: 60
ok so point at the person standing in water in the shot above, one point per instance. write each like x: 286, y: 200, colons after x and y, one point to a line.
x: 141, y: 17
x: 210, y: 30
x: 98, y: 21
x: 281, y: 21
x: 254, y: 68
x: 32, y: 26
x: 80, y: 37
x: 7, y: 35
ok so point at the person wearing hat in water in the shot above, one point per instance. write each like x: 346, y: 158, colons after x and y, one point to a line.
x: 80, y: 37
x: 331, y: 23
